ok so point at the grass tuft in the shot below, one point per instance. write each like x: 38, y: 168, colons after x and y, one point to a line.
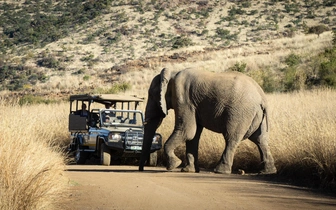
x: 31, y: 157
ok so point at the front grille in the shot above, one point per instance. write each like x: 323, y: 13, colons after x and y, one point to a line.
x: 133, y: 138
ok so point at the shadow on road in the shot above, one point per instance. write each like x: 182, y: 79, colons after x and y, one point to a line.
x: 206, y: 176
x: 91, y: 168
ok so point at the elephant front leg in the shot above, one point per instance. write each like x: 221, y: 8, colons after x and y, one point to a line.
x: 171, y: 144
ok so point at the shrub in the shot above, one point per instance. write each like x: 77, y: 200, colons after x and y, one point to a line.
x: 327, y: 68
x: 319, y: 29
x: 86, y: 77
x: 233, y: 11
x: 225, y: 34
x: 31, y: 99
x: 267, y: 79
x: 49, y: 62
x: 329, y: 3
x: 294, y: 79
x: 334, y: 38
x: 181, y: 41
x: 116, y: 88
x: 294, y: 8
x: 327, y: 73
x: 292, y: 60
x: 238, y: 66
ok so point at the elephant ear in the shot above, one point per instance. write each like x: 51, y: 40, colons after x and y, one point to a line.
x: 165, y: 77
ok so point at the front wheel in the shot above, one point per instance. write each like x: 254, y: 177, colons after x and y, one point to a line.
x: 105, y: 156
x: 152, y: 159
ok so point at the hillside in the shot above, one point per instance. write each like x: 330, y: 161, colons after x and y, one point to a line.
x: 74, y: 46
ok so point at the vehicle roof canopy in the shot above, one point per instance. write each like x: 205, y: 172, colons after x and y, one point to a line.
x: 106, y: 98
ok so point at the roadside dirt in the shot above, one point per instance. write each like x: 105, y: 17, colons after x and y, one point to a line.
x: 124, y: 187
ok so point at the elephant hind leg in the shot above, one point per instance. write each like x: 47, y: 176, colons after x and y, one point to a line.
x: 225, y: 164
x: 260, y: 138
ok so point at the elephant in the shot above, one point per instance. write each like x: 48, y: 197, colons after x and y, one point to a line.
x: 230, y: 103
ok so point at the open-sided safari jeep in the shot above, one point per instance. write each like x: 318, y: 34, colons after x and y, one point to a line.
x: 111, y: 127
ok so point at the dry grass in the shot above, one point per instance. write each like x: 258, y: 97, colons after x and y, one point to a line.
x: 303, y: 134
x: 32, y: 163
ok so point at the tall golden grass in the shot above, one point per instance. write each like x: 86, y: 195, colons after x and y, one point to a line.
x: 303, y: 135
x: 31, y: 158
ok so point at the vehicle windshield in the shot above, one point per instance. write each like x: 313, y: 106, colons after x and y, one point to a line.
x: 113, y: 117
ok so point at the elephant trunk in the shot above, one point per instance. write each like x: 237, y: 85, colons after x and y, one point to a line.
x: 150, y: 128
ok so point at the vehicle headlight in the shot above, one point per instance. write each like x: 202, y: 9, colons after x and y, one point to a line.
x: 157, y: 139
x: 114, y: 137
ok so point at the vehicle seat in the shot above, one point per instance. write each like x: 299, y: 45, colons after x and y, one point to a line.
x: 127, y: 121
x: 115, y: 120
x: 94, y: 120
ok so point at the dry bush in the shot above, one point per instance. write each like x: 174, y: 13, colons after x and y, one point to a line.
x: 31, y: 159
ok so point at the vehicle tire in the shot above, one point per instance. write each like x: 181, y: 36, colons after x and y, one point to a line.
x: 80, y: 156
x: 105, y: 156
x: 152, y: 159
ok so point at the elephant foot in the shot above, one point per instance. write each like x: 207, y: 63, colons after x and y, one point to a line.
x: 188, y: 168
x: 173, y: 163
x: 222, y: 169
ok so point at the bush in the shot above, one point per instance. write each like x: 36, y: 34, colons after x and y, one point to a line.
x: 327, y: 68
x: 116, y: 88
x: 294, y: 79
x: 225, y: 34
x: 181, y: 41
x: 31, y: 99
x: 292, y: 60
x: 267, y: 79
x: 334, y: 38
x: 319, y: 29
x: 240, y: 67
x: 49, y: 62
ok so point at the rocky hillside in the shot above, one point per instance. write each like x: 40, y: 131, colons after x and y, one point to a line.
x: 86, y: 46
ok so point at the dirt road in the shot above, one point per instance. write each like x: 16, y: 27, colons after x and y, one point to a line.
x: 123, y: 187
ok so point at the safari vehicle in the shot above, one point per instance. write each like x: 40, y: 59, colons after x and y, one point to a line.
x: 114, y: 128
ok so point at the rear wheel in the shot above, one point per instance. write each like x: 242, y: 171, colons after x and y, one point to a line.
x: 152, y: 159
x: 80, y: 156
x: 105, y: 156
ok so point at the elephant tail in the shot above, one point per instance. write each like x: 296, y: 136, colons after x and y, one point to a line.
x: 263, y: 108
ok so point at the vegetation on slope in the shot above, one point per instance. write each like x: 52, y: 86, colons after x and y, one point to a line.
x: 86, y: 41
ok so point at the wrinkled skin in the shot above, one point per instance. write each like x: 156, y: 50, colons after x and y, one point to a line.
x: 229, y: 103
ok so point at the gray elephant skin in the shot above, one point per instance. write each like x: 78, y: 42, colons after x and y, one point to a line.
x: 230, y: 103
